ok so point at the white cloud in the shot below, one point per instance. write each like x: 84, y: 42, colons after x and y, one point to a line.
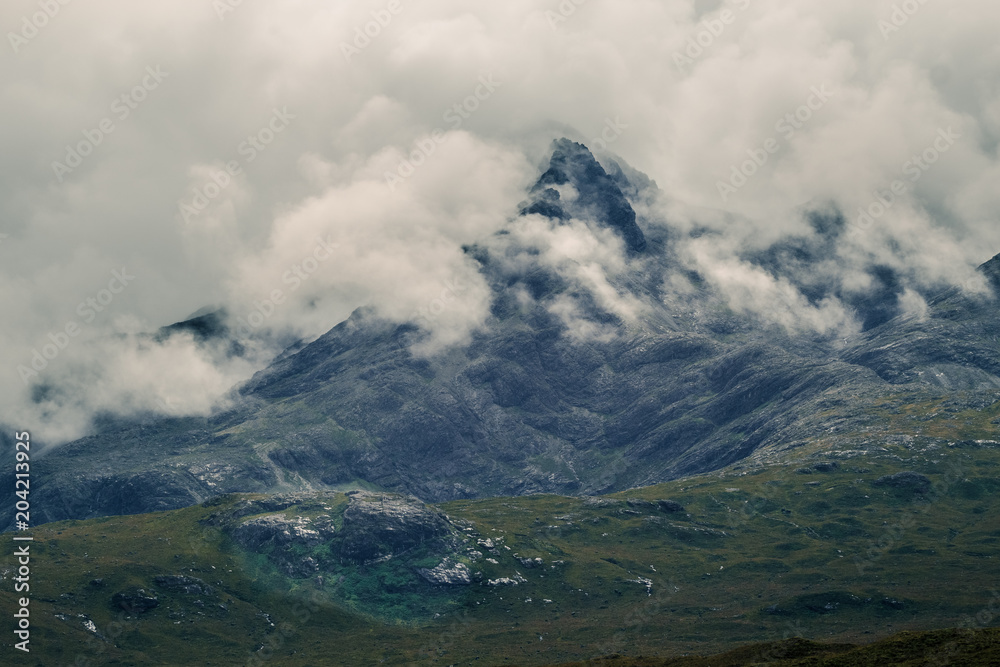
x: 355, y: 120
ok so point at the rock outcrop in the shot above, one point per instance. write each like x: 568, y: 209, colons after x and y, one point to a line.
x: 377, y: 525
x: 135, y: 601
x: 447, y: 573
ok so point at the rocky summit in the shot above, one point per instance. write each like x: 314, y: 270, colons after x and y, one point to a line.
x: 588, y: 192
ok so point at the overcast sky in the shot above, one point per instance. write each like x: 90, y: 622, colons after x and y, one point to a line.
x: 224, y: 155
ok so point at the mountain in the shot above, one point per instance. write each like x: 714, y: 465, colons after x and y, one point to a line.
x: 609, y: 466
x: 567, y: 388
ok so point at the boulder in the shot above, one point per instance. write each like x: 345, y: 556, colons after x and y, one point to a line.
x: 447, y: 573
x: 669, y: 506
x: 135, y: 601
x: 183, y: 584
x: 280, y: 530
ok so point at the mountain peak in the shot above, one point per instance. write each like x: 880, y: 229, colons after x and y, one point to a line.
x: 597, y: 196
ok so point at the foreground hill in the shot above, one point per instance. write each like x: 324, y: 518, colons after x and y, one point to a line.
x: 961, y: 648
x: 837, y: 542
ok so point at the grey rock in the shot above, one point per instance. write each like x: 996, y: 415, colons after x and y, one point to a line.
x: 135, y: 601
x: 825, y: 466
x: 377, y: 525
x: 447, y: 573
x: 907, y: 480
x: 669, y: 506
x: 275, y: 529
x: 637, y: 503
x: 183, y: 584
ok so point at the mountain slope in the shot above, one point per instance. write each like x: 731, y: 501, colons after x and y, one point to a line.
x: 564, y: 390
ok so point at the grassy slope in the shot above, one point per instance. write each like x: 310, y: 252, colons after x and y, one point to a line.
x: 955, y: 648
x: 826, y: 555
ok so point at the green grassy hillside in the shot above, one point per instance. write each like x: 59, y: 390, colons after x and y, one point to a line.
x: 822, y: 547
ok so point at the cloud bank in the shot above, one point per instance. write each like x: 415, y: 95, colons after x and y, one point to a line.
x: 340, y: 155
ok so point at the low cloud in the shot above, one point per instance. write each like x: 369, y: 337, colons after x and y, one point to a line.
x: 323, y: 177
